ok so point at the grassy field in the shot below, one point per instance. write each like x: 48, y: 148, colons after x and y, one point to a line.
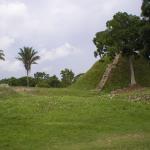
x: 68, y: 119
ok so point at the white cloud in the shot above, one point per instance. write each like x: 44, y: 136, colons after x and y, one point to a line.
x: 8, y: 10
x: 60, y: 52
x: 12, y: 16
x: 10, y: 66
x: 47, y: 23
x: 6, y: 42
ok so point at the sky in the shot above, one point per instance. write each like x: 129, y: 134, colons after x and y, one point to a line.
x: 60, y: 30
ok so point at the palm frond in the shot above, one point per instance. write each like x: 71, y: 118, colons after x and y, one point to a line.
x: 2, y: 55
x: 28, y: 56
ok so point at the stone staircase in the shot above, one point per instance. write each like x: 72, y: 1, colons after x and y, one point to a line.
x: 107, y: 72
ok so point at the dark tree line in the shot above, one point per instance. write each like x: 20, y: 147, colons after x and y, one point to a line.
x: 42, y: 79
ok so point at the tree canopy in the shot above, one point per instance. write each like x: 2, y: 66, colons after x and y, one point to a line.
x: 28, y: 56
x: 145, y: 32
x: 67, y: 77
x: 122, y: 36
x: 2, y: 55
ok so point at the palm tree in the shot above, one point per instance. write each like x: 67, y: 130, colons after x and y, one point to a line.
x: 2, y: 55
x: 28, y: 56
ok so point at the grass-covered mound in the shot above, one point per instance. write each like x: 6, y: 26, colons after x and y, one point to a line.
x: 91, y: 79
x: 120, y: 76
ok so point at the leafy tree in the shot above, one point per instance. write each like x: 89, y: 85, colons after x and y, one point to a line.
x: 54, y: 82
x: 104, y: 44
x: 2, y: 55
x: 67, y: 77
x: 145, y: 32
x: 41, y: 75
x: 146, y: 9
x: 122, y: 36
x: 41, y: 79
x: 13, y: 82
x: 19, y: 81
x: 28, y: 56
x: 4, y: 81
x: 145, y: 36
x: 22, y: 81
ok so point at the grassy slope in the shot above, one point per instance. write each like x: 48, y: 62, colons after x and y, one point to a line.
x: 50, y: 119
x: 120, y: 76
x: 91, y: 79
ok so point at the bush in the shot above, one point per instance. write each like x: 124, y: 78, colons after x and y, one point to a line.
x: 42, y: 83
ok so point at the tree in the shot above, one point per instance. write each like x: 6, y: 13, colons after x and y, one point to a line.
x: 67, y: 77
x: 122, y: 36
x: 145, y: 32
x: 2, y: 55
x: 145, y: 36
x: 104, y: 44
x: 28, y: 56
x: 41, y: 75
x: 54, y: 82
x: 41, y: 79
x: 146, y: 10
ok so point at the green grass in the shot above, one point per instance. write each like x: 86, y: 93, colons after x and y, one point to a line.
x: 120, y: 76
x: 91, y: 79
x: 142, y: 72
x: 67, y: 119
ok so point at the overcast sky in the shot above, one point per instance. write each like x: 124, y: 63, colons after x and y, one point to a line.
x: 60, y: 30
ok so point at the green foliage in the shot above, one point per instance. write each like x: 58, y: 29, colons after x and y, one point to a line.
x: 19, y: 82
x: 145, y: 31
x: 103, y: 43
x: 146, y: 9
x: 41, y: 75
x: 28, y: 56
x: 44, y: 80
x: 145, y: 35
x: 22, y: 81
x: 67, y: 77
x: 54, y: 82
x: 13, y: 81
x: 124, y: 31
x: 41, y: 79
x: 121, y: 36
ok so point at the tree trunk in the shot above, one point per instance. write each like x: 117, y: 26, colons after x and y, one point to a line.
x: 133, y: 81
x: 27, y: 78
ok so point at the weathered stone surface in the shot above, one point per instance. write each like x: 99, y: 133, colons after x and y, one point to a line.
x: 108, y: 72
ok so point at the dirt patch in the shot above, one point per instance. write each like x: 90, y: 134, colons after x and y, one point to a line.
x: 22, y: 89
x: 128, y: 89
x: 141, y: 97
